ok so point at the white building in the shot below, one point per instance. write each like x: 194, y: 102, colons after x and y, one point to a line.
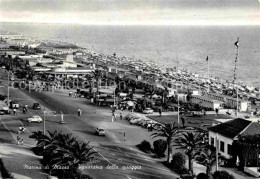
x: 206, y: 102
x: 227, y: 132
x: 231, y: 102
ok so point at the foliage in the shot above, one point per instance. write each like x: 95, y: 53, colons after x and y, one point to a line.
x: 207, y: 157
x: 190, y: 142
x: 144, y: 146
x: 168, y: 131
x: 159, y: 146
x: 248, y: 150
x: 64, y: 151
x: 178, y: 161
x: 202, y: 176
x: 222, y: 175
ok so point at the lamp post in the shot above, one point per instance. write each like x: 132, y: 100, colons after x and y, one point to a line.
x: 44, y: 117
x: 217, y: 152
x: 178, y: 111
x: 8, y: 92
x: 44, y: 121
x: 257, y: 160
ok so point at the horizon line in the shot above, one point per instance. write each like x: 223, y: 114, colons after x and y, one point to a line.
x: 137, y: 24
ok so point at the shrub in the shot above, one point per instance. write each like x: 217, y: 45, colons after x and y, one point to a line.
x: 178, y: 161
x: 159, y: 146
x: 144, y: 146
x: 202, y: 176
x: 222, y: 175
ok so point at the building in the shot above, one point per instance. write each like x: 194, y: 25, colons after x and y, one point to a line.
x: 227, y: 132
x: 206, y: 102
x: 231, y: 102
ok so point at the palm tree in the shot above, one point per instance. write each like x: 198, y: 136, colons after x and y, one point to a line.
x: 73, y: 156
x: 151, y: 90
x: 97, y: 74
x: 169, y: 131
x: 191, y: 143
x: 207, y: 157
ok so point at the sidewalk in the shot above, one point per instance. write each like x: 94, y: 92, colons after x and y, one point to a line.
x: 197, y: 168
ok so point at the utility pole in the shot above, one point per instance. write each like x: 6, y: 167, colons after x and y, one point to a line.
x: 217, y: 152
x: 178, y: 111
x: 44, y: 121
x: 235, y: 70
x: 8, y: 103
x: 257, y: 153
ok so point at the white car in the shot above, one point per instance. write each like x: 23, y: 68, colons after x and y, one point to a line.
x: 135, y: 121
x: 148, y: 111
x: 100, y: 132
x: 35, y: 119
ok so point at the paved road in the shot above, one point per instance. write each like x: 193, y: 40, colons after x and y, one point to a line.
x: 112, y: 149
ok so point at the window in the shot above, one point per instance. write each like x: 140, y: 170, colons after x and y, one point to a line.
x: 212, y: 141
x: 229, y: 149
x: 222, y: 146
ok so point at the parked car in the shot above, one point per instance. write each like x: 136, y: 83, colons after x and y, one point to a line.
x: 148, y: 111
x: 35, y: 119
x: 100, y: 132
x: 135, y: 121
x: 36, y: 106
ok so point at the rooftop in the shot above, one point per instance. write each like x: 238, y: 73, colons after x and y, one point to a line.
x: 231, y: 128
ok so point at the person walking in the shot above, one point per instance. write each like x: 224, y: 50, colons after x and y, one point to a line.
x: 79, y: 112
x: 216, y: 110
x: 14, y: 111
x: 183, y: 122
x: 160, y: 112
x: 121, y: 117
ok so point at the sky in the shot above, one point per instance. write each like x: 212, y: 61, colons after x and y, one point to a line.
x: 132, y: 12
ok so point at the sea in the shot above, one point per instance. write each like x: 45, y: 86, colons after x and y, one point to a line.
x: 184, y: 47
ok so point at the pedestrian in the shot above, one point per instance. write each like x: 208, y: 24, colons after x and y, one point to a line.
x: 79, y: 112
x: 26, y: 107
x: 75, y: 94
x: 216, y: 111
x: 183, y: 122
x: 160, y: 112
x: 70, y: 93
x: 14, y: 111
x: 124, y: 136
x: 121, y: 117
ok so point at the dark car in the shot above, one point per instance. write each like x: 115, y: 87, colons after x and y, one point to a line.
x: 36, y: 106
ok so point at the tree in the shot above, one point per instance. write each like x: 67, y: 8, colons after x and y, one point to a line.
x: 169, y: 131
x: 160, y: 146
x: 190, y: 142
x: 97, y: 74
x: 222, y: 175
x: 207, y: 157
x: 73, y: 156
x: 150, y: 89
x: 178, y: 161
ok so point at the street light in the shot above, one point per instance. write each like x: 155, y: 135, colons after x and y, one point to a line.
x: 44, y: 115
x: 217, y: 152
x: 178, y: 111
